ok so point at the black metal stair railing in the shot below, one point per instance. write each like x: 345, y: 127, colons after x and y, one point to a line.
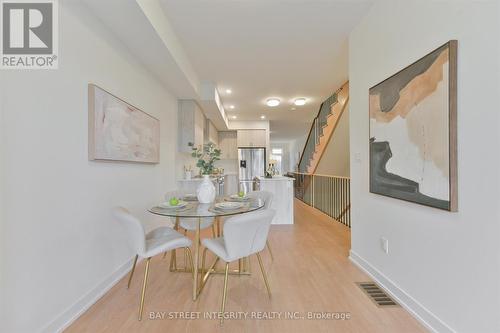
x: 329, y: 194
x: 316, y: 131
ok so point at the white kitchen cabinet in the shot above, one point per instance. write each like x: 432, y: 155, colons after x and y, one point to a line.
x: 231, y: 184
x: 211, y: 133
x: 191, y: 123
x: 252, y: 138
x: 228, y: 145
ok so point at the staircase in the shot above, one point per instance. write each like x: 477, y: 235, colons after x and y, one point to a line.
x: 322, y: 129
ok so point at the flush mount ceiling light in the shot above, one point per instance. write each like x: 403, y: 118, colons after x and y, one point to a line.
x: 233, y: 117
x: 228, y: 91
x: 231, y: 107
x: 299, y: 101
x: 262, y: 117
x: 273, y: 102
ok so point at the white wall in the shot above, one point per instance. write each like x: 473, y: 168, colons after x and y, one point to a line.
x: 59, y: 243
x: 296, y: 148
x: 445, y: 266
x: 336, y: 158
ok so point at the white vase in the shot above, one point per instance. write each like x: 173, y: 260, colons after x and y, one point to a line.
x: 206, y: 190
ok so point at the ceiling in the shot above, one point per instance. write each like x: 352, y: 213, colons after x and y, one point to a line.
x: 268, y: 48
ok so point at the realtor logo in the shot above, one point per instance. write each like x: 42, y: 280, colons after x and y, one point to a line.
x: 29, y: 34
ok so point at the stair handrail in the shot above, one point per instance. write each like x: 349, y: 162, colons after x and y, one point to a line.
x: 314, y: 123
x: 308, y: 137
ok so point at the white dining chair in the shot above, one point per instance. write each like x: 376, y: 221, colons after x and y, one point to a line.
x: 267, y: 198
x: 243, y: 236
x: 148, y: 245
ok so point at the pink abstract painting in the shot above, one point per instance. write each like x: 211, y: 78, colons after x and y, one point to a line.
x: 119, y: 131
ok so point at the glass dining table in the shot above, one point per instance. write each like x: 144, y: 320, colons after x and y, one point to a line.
x: 198, y: 211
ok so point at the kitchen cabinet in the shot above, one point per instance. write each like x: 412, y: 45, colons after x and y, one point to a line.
x: 252, y: 138
x: 231, y: 184
x: 191, y: 123
x: 211, y: 133
x: 228, y: 145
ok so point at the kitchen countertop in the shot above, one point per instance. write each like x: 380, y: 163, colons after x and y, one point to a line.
x: 195, y: 179
x: 276, y: 178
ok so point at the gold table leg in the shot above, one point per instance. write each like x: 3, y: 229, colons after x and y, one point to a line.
x: 264, y: 275
x: 173, y: 256
x: 219, y: 231
x: 196, y: 259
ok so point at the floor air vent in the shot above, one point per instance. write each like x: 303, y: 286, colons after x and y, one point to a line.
x: 377, y: 295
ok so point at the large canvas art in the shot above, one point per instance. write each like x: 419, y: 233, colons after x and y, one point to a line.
x: 119, y: 131
x: 413, y: 132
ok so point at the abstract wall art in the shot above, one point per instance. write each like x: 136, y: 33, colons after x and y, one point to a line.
x: 119, y: 131
x: 413, y: 147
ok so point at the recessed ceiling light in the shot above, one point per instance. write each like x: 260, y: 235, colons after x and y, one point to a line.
x: 273, y: 102
x: 300, y: 101
x: 293, y: 109
x: 233, y: 117
x: 228, y: 91
x: 231, y: 107
x: 262, y: 117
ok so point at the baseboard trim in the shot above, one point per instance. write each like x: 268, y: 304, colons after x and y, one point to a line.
x: 417, y: 310
x: 65, y: 319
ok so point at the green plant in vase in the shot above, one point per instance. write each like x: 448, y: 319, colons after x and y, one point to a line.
x: 206, y: 155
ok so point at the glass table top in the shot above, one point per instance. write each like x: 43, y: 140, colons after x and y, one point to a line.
x: 194, y: 209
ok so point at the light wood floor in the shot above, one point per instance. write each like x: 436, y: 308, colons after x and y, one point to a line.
x: 310, y: 272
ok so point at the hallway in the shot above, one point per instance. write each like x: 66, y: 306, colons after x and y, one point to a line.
x: 311, y: 272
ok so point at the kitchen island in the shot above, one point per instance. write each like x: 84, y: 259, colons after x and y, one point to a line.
x: 282, y: 189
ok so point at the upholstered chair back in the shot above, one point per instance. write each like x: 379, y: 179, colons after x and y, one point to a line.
x: 133, y: 228
x: 247, y: 234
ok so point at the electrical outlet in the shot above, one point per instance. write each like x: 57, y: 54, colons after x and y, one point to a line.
x: 357, y: 157
x: 384, y: 244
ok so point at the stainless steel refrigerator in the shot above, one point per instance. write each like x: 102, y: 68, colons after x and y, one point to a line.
x: 252, y: 162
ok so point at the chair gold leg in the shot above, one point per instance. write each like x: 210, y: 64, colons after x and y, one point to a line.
x: 132, y: 271
x: 164, y: 254
x: 203, y: 257
x: 185, y: 259
x: 190, y: 256
x: 264, y: 275
x: 146, y: 272
x: 224, y: 294
x: 173, y: 260
x: 269, y: 249
x: 213, y: 231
